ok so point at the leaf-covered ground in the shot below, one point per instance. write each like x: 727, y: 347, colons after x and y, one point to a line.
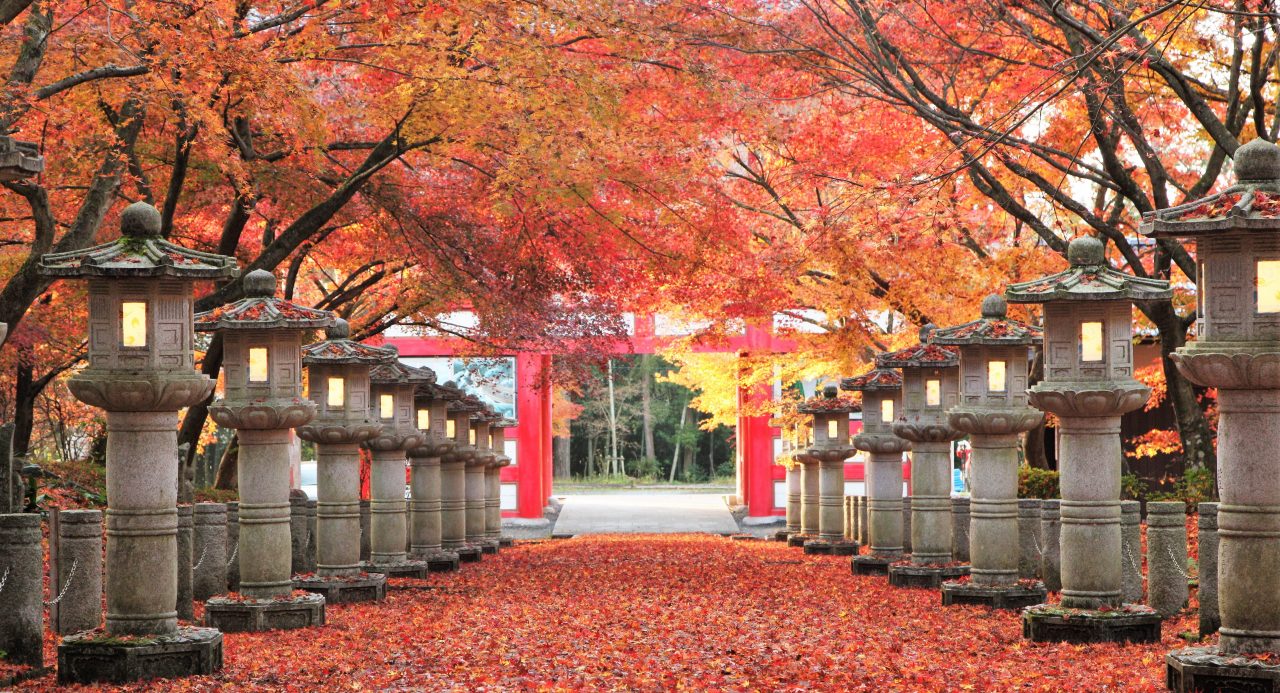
x: 669, y: 612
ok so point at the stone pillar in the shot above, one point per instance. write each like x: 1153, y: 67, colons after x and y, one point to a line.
x: 884, y: 483
x: 1030, y: 543
x: 1207, y: 593
x: 453, y: 504
x: 906, y: 524
x: 299, y: 536
x: 209, y: 546
x: 492, y: 505
x: 864, y: 521
x: 387, y: 507
x: 1092, y: 545
x: 233, y: 546
x: 1131, y: 551
x: 1050, y: 535
x: 993, y: 511
x: 830, y: 496
x: 848, y: 518
x: 1167, y: 557
x: 266, y: 558
x: 312, y: 507
x: 929, y: 507
x: 473, y: 489
x: 424, y: 506
x: 366, y: 524
x: 960, y: 528
x: 21, y: 614
x: 810, y: 497
x: 186, y: 558
x: 338, y: 516
x: 75, y: 570
x: 793, y: 499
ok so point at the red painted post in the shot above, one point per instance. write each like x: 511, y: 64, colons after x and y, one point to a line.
x: 755, y: 436
x: 544, y: 400
x: 529, y: 496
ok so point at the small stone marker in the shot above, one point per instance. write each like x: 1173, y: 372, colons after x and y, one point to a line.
x: 960, y: 528
x: 209, y: 548
x: 21, y: 614
x: 1131, y: 551
x: 1167, y: 557
x: 1030, y: 543
x: 185, y: 604
x: 1051, y: 535
x: 75, y: 570
x: 1207, y: 593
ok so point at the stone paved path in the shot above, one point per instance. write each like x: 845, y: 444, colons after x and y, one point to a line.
x: 644, y: 512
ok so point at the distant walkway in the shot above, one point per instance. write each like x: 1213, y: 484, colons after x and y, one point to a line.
x: 644, y: 512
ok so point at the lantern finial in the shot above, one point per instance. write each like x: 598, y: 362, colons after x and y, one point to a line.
x: 1259, y: 160
x: 140, y: 220
x: 995, y: 307
x: 926, y: 330
x: 259, y: 284
x: 1085, y: 251
x: 830, y: 392
x: 339, y: 330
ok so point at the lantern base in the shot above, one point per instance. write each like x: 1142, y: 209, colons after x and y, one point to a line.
x: 782, y: 534
x: 489, y: 546
x: 1015, y: 596
x: 1052, y: 623
x: 469, y: 553
x: 798, y: 539
x: 251, y: 615
x: 98, y: 657
x: 438, y: 561
x: 924, y: 576
x: 399, y: 569
x: 826, y: 547
x: 506, y: 542
x: 872, y: 564
x: 345, y: 589
x: 745, y: 537
x: 1206, y: 669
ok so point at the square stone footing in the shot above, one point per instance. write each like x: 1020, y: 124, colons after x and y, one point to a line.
x: 1205, y: 670
x: 1001, y: 597
x: 489, y: 546
x: 823, y: 547
x: 1056, y: 624
x: 781, y: 535
x: 872, y: 565
x: 469, y: 554
x: 506, y: 542
x: 345, y: 589
x: 925, y: 576
x: 97, y: 657
x: 439, y: 561
x: 406, y: 569
x: 247, y: 614
x: 797, y: 540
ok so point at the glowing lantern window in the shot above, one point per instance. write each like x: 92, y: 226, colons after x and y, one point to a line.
x: 451, y: 429
x: 1091, y: 341
x: 833, y: 429
x: 424, y: 419
x: 996, y: 376
x: 886, y: 410
x: 473, y: 436
x: 337, y: 392
x: 133, y: 324
x: 1202, y: 290
x: 1268, y: 289
x: 933, y: 393
x: 386, y: 406
x: 257, y: 365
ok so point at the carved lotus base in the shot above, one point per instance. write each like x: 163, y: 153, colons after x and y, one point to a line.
x: 431, y: 448
x: 880, y: 443
x: 838, y: 453
x: 334, y: 432
x: 994, y: 421
x: 926, y: 432
x: 269, y: 415
x: 1088, y: 399
x: 1231, y: 366
x: 157, y: 391
x: 391, y: 441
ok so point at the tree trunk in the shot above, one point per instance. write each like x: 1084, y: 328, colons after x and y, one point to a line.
x: 560, y: 454
x: 24, y: 404
x: 1033, y: 443
x: 1193, y: 426
x: 589, y: 467
x: 675, y: 456
x: 646, y: 414
x: 228, y: 466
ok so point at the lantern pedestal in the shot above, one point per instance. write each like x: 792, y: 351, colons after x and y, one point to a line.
x: 250, y: 614
x: 871, y: 564
x: 907, y: 574
x: 440, y: 561
x: 827, y: 547
x: 98, y: 657
x: 798, y: 539
x: 345, y: 589
x: 400, y: 569
x: 1054, y: 623
x: 1022, y: 594
x: 1205, y: 670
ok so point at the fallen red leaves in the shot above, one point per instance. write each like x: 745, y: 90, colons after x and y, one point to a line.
x: 670, y: 612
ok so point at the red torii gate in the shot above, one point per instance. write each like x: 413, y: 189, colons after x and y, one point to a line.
x: 759, y: 480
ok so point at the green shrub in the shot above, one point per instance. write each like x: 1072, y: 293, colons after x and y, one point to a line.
x: 1034, y: 482
x: 1132, y: 487
x: 1194, y: 487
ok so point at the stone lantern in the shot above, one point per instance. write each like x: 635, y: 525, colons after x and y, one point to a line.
x: 493, y: 481
x: 993, y: 410
x: 453, y: 480
x: 810, y: 488
x: 141, y: 371
x: 432, y: 402
x: 830, y: 449
x: 930, y: 386
x: 787, y: 460
x: 1237, y: 352
x: 392, y: 405
x: 19, y: 160
x: 338, y: 382
x: 476, y: 484
x: 1088, y: 385
x: 881, y: 390
x: 262, y: 361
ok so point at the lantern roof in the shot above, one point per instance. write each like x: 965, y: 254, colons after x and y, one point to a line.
x: 1089, y: 278
x: 874, y: 379
x: 922, y: 355
x: 19, y: 159
x: 829, y: 402
x: 260, y: 309
x: 994, y: 328
x: 339, y: 349
x: 394, y: 372
x: 1252, y: 204
x: 445, y: 391
x: 139, y: 252
x: 468, y: 403
x: 504, y: 422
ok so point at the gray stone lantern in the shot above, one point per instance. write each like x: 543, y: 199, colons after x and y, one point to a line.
x: 141, y: 371
x: 930, y: 386
x: 830, y: 449
x: 1088, y: 385
x: 392, y: 405
x: 262, y: 363
x: 477, y: 470
x: 807, y: 474
x: 786, y: 458
x: 338, y: 383
x: 1236, y: 351
x: 994, y: 357
x: 432, y: 403
x: 881, y: 390
x: 493, y: 480
x: 19, y: 160
x: 453, y: 479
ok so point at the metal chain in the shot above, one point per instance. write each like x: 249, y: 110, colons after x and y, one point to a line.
x: 4, y: 578
x: 204, y: 550
x: 75, y: 563
x: 234, y: 551
x: 1173, y: 559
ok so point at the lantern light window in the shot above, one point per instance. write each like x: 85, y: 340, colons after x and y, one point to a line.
x: 258, y: 365
x: 337, y: 392
x: 886, y: 410
x: 933, y: 392
x: 386, y: 406
x: 996, y: 372
x: 133, y: 323
x: 451, y: 429
x: 1268, y: 286
x: 1091, y: 341
x: 424, y: 419
x: 833, y: 429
